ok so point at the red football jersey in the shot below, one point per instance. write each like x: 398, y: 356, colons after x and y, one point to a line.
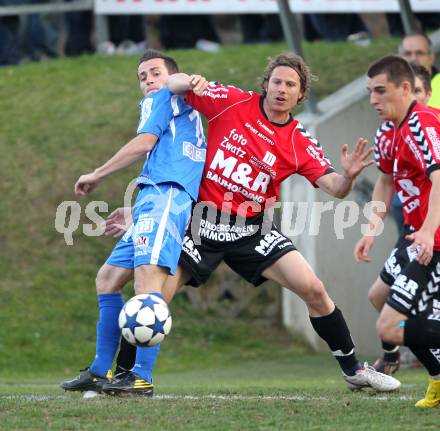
x: 247, y: 154
x: 417, y: 154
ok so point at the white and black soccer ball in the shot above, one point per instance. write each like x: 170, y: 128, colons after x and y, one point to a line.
x: 145, y: 320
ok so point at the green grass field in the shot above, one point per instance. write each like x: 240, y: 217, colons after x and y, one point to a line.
x: 303, y: 392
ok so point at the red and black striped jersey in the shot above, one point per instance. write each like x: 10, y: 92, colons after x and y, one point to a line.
x: 410, y: 153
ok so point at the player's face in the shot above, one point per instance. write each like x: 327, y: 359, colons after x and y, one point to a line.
x: 422, y: 96
x: 416, y: 49
x: 386, y: 97
x: 152, y: 75
x: 283, y: 89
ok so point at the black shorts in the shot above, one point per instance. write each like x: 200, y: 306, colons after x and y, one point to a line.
x: 247, y: 248
x: 414, y: 287
x: 399, y: 258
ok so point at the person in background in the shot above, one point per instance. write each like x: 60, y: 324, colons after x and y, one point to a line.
x: 10, y: 51
x: 79, y: 30
x: 417, y: 48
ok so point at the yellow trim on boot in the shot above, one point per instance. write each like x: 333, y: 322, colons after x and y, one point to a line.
x: 432, y: 396
x: 142, y: 384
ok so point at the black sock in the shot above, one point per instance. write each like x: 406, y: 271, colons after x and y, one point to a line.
x: 391, y: 352
x: 126, y: 356
x: 422, y: 332
x: 334, y: 331
x: 430, y: 359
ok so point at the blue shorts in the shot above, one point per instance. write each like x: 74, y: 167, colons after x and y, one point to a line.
x: 160, y: 217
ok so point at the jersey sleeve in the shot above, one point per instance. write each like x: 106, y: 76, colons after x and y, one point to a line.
x: 425, y: 128
x: 384, y: 147
x: 156, y: 112
x: 311, y: 161
x: 216, y: 99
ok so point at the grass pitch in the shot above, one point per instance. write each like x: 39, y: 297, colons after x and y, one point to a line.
x: 300, y: 393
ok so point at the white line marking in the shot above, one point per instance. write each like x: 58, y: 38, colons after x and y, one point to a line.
x: 176, y: 397
x: 30, y: 397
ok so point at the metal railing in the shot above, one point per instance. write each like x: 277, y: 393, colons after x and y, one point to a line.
x: 26, y: 9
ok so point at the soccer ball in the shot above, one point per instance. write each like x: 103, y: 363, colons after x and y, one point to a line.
x: 145, y: 320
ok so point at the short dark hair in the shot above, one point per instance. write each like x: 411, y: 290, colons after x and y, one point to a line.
x: 424, y: 75
x: 170, y: 63
x: 396, y: 68
x: 416, y: 33
x: 296, y: 63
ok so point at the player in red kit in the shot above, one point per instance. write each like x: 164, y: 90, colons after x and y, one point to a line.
x: 385, y: 145
x: 385, y: 141
x: 411, y: 314
x: 254, y: 143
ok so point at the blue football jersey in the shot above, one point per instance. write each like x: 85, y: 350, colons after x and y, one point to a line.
x: 180, y: 152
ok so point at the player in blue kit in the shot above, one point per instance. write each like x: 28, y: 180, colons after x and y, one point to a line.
x: 252, y: 133
x: 170, y: 134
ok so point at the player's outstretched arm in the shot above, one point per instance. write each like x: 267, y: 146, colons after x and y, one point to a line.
x: 423, y: 239
x: 181, y: 83
x: 352, y: 164
x: 383, y: 192
x: 137, y: 148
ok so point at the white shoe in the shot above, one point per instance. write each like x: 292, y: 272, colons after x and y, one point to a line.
x: 368, y: 377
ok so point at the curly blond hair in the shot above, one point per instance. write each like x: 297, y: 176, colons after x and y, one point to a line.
x: 297, y: 64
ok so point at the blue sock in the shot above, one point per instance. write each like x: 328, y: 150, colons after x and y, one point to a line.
x: 108, y: 333
x: 146, y: 358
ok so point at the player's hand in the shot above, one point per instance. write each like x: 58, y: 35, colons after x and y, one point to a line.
x: 362, y: 248
x: 86, y: 183
x: 423, y: 245
x: 198, y: 84
x: 118, y: 222
x: 354, y: 163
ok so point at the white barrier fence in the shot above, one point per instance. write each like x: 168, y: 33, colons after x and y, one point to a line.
x: 153, y: 7
x: 256, y: 6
